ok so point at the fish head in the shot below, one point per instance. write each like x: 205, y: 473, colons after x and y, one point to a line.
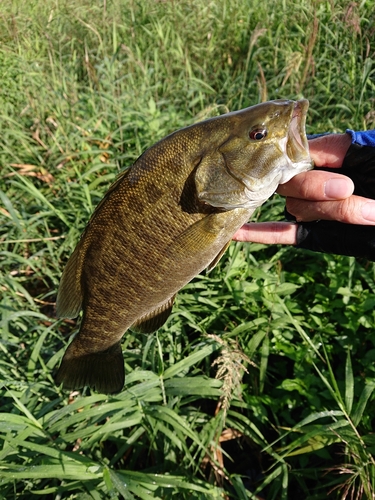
x: 265, y: 145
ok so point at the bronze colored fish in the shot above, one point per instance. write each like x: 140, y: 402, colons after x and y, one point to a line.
x: 164, y: 220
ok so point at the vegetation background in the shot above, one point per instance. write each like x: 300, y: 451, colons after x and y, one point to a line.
x: 261, y: 385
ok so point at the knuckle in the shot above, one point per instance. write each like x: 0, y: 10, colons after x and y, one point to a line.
x: 305, y: 187
x: 296, y: 207
x: 344, y: 211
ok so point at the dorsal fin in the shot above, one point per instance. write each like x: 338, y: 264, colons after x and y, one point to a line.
x: 121, y: 176
x: 69, y: 296
x: 155, y: 319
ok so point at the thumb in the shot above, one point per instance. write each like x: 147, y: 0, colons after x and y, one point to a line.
x: 329, y: 150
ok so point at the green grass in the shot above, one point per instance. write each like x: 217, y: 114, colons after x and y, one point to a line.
x: 85, y: 87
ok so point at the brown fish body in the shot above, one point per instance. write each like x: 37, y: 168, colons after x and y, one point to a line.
x: 165, y: 220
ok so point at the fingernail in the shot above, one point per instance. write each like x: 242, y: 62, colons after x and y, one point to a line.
x: 338, y: 188
x: 368, y: 211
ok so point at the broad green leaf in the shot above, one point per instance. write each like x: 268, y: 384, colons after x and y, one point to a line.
x: 140, y: 375
x: 362, y: 403
x: 255, y: 341
x: 317, y: 416
x: 109, y: 428
x: 190, y: 386
x: 169, y: 481
x: 286, y: 288
x: 185, y: 364
x: 126, y: 488
x: 314, y: 444
x: 23, y: 408
x: 176, y: 421
x: 317, y: 438
x: 60, y: 471
x: 77, y: 406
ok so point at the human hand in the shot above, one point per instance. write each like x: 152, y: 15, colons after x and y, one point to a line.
x: 316, y: 195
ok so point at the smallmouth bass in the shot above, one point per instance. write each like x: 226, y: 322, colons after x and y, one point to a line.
x: 164, y: 220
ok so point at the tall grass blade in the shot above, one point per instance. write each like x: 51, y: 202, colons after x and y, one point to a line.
x: 349, y: 384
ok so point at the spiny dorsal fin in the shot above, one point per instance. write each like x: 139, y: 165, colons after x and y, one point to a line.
x: 69, y: 296
x: 121, y: 176
x: 155, y: 319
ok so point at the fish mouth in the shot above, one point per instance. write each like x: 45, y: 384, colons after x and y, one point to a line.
x: 297, y: 147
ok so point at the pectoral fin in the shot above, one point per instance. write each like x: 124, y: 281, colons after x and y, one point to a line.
x: 200, y: 243
x: 199, y: 237
x: 155, y: 319
x: 218, y: 257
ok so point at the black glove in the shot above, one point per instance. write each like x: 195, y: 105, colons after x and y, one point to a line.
x: 337, y: 237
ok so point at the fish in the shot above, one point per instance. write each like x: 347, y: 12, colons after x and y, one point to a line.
x: 168, y: 217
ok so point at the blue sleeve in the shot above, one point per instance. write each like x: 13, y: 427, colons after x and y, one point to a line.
x: 366, y: 138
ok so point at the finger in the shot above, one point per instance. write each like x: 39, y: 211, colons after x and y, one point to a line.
x: 329, y: 150
x: 353, y: 210
x: 317, y: 185
x: 283, y: 233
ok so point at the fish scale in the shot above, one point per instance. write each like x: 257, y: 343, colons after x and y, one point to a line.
x: 163, y: 221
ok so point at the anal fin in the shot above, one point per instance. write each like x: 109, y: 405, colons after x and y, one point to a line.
x: 155, y: 319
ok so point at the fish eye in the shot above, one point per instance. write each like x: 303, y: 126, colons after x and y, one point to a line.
x: 258, y: 134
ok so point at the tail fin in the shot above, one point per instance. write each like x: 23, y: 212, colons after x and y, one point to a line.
x: 103, y: 370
